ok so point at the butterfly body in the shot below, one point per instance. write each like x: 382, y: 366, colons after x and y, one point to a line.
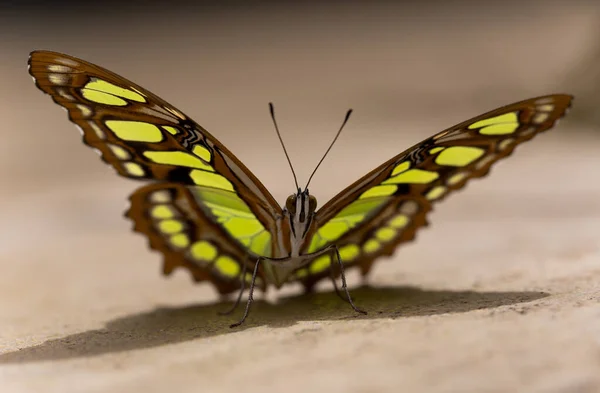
x: 298, y: 223
x: 205, y: 211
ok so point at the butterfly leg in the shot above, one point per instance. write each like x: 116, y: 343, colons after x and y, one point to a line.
x: 335, y: 286
x: 239, y: 297
x: 344, y: 286
x: 250, y: 293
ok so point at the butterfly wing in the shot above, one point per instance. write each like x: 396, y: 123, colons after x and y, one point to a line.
x: 386, y: 207
x: 213, y: 212
x: 211, y: 232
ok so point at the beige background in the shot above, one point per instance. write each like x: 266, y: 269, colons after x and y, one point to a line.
x: 499, y: 294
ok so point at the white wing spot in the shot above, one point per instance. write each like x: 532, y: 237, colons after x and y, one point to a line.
x: 161, y: 196
x: 546, y: 108
x: 63, y: 93
x: 85, y: 110
x: 59, y: 79
x: 539, y: 118
x: 409, y: 208
x: 97, y: 130
x: 59, y: 68
x: 505, y: 144
x: 485, y: 161
x: 528, y: 131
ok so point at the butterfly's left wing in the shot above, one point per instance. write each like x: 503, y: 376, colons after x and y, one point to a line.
x: 387, y: 206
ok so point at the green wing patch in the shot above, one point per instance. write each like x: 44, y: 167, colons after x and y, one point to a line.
x: 235, y: 217
x: 348, y: 218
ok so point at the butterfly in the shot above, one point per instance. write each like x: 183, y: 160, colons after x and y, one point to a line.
x: 204, y: 210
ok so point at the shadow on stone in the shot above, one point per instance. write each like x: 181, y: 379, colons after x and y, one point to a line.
x: 168, y: 325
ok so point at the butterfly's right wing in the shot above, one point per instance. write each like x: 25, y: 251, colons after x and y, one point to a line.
x: 211, y: 195
x: 210, y: 232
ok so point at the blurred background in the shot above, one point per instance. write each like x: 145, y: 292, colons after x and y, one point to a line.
x: 68, y: 260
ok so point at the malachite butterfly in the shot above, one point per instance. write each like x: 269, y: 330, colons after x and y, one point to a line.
x: 205, y: 211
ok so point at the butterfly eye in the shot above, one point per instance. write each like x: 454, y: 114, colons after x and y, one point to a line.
x: 312, y: 203
x: 290, y: 204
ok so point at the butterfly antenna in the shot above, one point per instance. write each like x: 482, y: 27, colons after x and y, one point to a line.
x: 330, y: 146
x: 282, y: 144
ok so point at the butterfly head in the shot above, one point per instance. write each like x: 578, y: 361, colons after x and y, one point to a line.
x: 301, y: 206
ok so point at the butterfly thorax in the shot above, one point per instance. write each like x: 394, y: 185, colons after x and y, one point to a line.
x: 299, y: 212
x: 298, y: 221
